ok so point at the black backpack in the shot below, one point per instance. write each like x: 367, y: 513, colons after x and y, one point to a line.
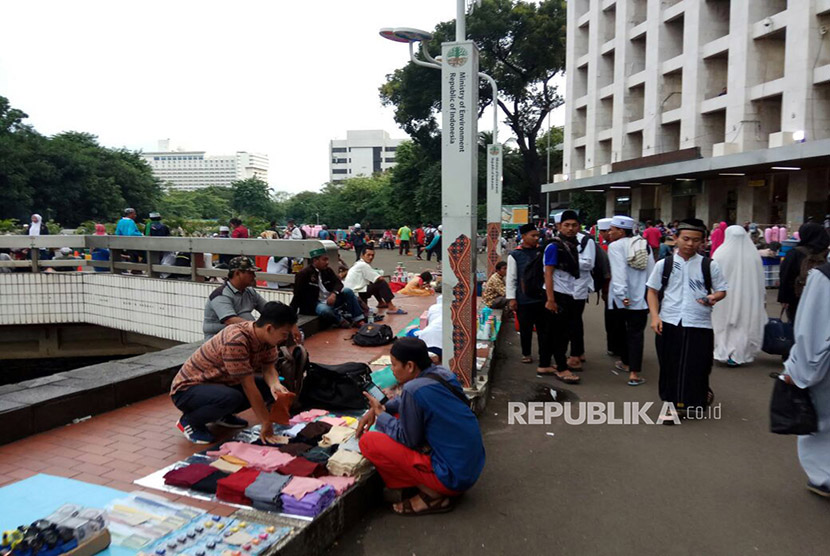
x: 373, y: 335
x: 598, y: 272
x: 533, y: 279
x: 668, y: 265
x: 335, y: 387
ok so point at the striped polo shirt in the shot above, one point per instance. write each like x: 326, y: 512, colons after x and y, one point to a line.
x: 226, y: 358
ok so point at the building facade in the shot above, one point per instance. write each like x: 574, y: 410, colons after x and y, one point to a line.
x: 190, y: 170
x: 362, y: 153
x: 718, y: 109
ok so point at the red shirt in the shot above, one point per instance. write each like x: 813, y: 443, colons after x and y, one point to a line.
x: 419, y: 236
x: 652, y: 236
x: 240, y: 233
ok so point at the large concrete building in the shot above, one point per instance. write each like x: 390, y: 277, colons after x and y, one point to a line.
x: 362, y: 153
x: 718, y: 109
x: 190, y: 170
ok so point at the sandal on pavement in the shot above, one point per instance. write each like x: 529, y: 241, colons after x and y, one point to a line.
x: 574, y: 364
x: 398, y: 312
x: 543, y: 373
x: 636, y: 381
x: 620, y: 367
x: 527, y: 359
x: 571, y: 379
x: 434, y: 506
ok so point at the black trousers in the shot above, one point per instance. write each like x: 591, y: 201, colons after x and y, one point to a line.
x: 358, y: 251
x: 685, y: 356
x: 565, y: 327
x: 380, y: 290
x: 205, y: 403
x: 631, y: 324
x: 404, y: 247
x: 613, y: 334
x: 530, y: 315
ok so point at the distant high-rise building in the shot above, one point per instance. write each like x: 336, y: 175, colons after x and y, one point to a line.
x: 362, y: 153
x: 190, y: 170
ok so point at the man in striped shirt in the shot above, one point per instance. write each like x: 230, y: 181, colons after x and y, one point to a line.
x: 233, y: 371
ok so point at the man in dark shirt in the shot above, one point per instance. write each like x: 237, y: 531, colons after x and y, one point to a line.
x: 319, y: 291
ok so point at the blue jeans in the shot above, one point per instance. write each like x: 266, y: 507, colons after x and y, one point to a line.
x: 346, y: 300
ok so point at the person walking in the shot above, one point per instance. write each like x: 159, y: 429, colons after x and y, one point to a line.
x: 808, y: 366
x: 358, y: 241
x: 434, y: 246
x: 126, y: 226
x: 691, y: 285
x: 612, y: 338
x: 810, y: 252
x: 526, y: 297
x: 717, y: 237
x: 631, y: 263
x: 738, y: 321
x: 404, y: 235
x: 420, y: 236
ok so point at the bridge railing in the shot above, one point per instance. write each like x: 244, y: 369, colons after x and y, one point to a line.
x: 152, y: 250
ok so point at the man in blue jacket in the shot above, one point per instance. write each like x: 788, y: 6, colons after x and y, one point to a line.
x: 434, y: 444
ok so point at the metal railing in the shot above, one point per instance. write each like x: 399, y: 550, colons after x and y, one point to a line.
x: 152, y: 249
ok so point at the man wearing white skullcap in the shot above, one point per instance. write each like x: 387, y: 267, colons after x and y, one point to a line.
x: 612, y: 339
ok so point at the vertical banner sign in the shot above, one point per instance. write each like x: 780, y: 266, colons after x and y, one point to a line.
x: 494, y: 159
x: 459, y: 176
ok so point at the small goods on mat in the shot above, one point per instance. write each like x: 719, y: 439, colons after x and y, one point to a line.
x: 70, y: 529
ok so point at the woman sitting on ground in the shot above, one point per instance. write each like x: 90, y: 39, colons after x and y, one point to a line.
x: 419, y: 286
x: 432, y: 412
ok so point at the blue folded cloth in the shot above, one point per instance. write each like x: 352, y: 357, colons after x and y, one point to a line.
x: 309, y: 505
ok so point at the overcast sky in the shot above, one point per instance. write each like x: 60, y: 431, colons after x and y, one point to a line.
x: 279, y: 77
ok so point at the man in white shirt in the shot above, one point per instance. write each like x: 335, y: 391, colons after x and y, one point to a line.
x: 292, y: 231
x: 683, y: 321
x: 627, y: 296
x: 366, y: 282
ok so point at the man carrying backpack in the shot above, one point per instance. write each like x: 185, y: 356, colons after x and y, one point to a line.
x: 691, y: 285
x: 569, y: 260
x: 811, y: 252
x: 526, y: 297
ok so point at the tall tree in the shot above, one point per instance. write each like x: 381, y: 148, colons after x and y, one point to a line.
x: 522, y: 46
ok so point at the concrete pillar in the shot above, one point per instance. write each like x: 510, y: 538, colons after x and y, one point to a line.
x: 666, y: 204
x: 746, y: 202
x: 636, y: 202
x: 796, y: 199
x: 702, y: 205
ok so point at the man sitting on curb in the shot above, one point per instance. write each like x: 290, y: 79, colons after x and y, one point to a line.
x: 432, y: 412
x: 219, y: 379
x: 368, y: 282
x: 319, y: 291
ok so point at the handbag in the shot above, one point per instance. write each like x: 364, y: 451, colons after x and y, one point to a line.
x: 335, y: 387
x: 779, y: 337
x: 791, y: 409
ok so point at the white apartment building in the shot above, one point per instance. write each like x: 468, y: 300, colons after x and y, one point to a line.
x: 190, y: 170
x: 362, y: 153
x: 718, y: 109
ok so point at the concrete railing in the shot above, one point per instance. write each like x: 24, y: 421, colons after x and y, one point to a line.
x: 152, y: 250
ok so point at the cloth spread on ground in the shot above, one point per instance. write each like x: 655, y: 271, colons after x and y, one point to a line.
x: 232, y: 488
x: 333, y: 421
x: 313, y: 432
x: 348, y: 463
x: 226, y: 466
x: 300, y: 486
x: 265, y: 491
x: 209, y: 484
x: 186, y: 477
x: 235, y: 460
x: 264, y: 458
x: 339, y: 484
x: 307, y: 416
x: 337, y: 435
x: 301, y: 467
x: 311, y: 504
x: 295, y: 448
x: 296, y: 428
x: 319, y: 454
x: 281, y: 408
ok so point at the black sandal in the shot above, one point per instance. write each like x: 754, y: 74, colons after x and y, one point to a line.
x: 434, y: 506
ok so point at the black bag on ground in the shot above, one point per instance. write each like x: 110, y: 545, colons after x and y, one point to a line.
x: 791, y: 410
x: 335, y: 386
x: 779, y: 337
x: 373, y: 335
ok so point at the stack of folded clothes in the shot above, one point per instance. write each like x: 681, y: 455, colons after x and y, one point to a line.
x: 309, y: 505
x: 313, y: 432
x: 319, y: 454
x: 232, y: 488
x: 265, y: 491
x: 337, y: 435
x: 352, y: 444
x: 186, y: 477
x: 295, y: 448
x: 348, y: 463
x: 264, y: 458
x: 339, y: 484
x: 301, y: 467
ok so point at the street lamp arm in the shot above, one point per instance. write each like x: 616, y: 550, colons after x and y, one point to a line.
x: 418, y: 62
x: 427, y: 56
x: 495, y: 105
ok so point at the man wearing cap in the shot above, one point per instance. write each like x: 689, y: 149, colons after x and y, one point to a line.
x: 235, y: 300
x: 155, y: 227
x: 683, y: 320
x: 524, y: 285
x: 611, y: 338
x: 319, y: 291
x: 126, y: 226
x: 292, y: 231
x: 627, y: 297
x: 569, y: 260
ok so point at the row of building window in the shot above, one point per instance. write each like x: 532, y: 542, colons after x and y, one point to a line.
x: 349, y: 149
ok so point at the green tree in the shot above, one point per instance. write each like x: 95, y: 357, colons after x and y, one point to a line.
x: 251, y: 197
x: 522, y: 46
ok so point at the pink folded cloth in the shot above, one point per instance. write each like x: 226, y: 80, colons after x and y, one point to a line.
x: 339, y: 484
x: 300, y: 486
x: 334, y: 421
x: 264, y: 458
x: 307, y: 416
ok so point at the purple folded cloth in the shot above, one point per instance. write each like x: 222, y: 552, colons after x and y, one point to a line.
x: 309, y: 505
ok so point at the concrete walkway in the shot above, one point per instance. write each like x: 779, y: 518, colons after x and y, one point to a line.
x: 723, y: 486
